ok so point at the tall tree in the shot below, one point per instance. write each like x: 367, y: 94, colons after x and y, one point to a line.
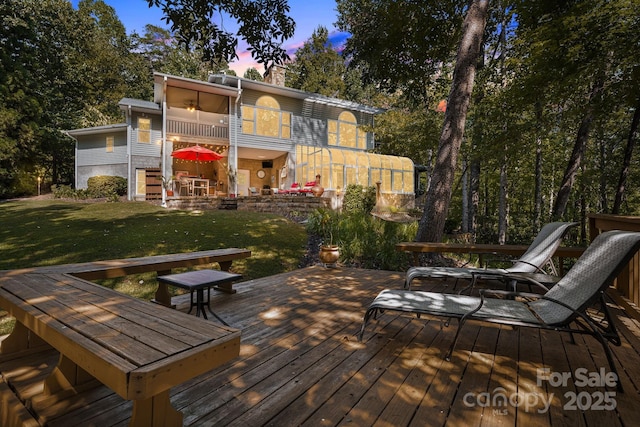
x: 317, y: 67
x: 162, y: 52
x: 431, y: 226
x: 263, y: 24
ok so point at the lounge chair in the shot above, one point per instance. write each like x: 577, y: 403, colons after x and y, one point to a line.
x: 564, y: 305
x: 537, y: 256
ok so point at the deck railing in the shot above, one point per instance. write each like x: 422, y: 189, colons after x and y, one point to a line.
x: 198, y: 124
x: 628, y: 282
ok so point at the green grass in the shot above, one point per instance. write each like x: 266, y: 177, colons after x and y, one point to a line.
x: 51, y: 232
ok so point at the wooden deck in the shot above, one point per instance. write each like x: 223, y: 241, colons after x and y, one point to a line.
x: 300, y: 364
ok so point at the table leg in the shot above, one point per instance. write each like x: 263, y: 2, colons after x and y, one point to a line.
x: 155, y: 411
x: 199, y: 307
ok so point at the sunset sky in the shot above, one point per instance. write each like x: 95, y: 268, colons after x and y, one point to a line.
x: 308, y: 15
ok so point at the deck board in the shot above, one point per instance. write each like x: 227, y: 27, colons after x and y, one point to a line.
x: 300, y: 364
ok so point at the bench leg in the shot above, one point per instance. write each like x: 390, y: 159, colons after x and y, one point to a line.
x: 67, y: 376
x: 226, y: 287
x: 155, y: 411
x: 21, y: 339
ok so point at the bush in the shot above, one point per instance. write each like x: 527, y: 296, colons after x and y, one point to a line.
x: 106, y: 186
x: 358, y: 198
x: 364, y: 241
x: 369, y: 242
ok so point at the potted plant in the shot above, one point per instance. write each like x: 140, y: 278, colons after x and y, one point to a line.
x: 167, y: 183
x: 324, y: 223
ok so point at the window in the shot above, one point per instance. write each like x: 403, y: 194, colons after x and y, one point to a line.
x: 144, y: 130
x: 141, y: 182
x: 340, y: 167
x: 345, y: 132
x: 109, y: 144
x: 266, y: 119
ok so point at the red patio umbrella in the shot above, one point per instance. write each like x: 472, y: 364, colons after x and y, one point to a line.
x: 196, y: 153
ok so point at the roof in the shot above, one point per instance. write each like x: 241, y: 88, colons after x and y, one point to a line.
x: 139, y: 105
x: 97, y: 130
x: 233, y: 85
x: 232, y: 81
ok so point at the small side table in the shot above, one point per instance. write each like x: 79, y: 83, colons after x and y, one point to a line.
x: 197, y: 281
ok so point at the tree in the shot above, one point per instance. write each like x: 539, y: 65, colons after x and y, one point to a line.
x: 405, y: 44
x: 263, y: 24
x: 164, y: 54
x: 59, y: 69
x: 253, y: 74
x: 317, y: 67
x: 431, y: 226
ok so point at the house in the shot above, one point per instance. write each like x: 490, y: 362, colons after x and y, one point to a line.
x: 269, y: 137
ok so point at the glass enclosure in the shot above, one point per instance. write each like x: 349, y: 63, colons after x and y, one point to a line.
x: 339, y: 168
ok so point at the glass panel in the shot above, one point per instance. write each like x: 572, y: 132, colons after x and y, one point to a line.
x: 144, y: 130
x: 248, y: 120
x: 267, y: 122
x: 347, y: 135
x: 332, y: 130
x: 141, y: 182
x: 110, y: 144
x: 268, y: 101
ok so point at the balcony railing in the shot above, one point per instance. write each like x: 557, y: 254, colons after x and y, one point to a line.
x: 198, y: 124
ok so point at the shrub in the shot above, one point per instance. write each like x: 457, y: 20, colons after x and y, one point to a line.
x: 358, y: 198
x: 323, y: 223
x: 365, y: 241
x: 106, y: 186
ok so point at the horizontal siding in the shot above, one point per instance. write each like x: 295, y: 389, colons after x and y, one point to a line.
x: 92, y: 149
x: 309, y: 122
x: 146, y: 149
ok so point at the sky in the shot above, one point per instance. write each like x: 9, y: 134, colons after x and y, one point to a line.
x: 307, y: 14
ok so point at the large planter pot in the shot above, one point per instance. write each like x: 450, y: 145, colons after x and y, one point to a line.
x: 329, y: 254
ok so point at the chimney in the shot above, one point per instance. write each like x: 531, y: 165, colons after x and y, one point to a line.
x: 275, y: 75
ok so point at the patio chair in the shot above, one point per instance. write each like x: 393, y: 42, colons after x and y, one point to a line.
x: 562, y: 306
x: 537, y: 256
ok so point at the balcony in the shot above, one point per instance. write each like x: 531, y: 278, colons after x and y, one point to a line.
x: 200, y: 124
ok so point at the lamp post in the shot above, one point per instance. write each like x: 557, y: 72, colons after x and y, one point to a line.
x: 39, y: 181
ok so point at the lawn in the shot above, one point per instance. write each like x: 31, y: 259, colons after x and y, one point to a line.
x: 50, y: 232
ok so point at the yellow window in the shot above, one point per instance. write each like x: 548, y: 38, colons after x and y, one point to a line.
x: 144, y: 130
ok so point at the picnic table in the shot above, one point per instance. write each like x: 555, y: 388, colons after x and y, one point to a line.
x: 137, y: 349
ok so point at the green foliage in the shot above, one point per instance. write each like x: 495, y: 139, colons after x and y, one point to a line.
x: 364, y: 240
x: 60, y: 69
x: 324, y: 223
x: 404, y: 44
x: 161, y: 50
x: 253, y: 74
x: 358, y: 199
x: 317, y: 68
x: 368, y: 242
x: 107, y: 186
x: 263, y: 24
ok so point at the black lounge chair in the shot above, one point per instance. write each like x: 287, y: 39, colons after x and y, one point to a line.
x: 563, y: 308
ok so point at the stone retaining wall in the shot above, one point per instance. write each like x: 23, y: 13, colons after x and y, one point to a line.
x: 279, y: 204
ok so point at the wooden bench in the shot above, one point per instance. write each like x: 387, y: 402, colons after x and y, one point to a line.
x: 416, y: 248
x: 137, y: 349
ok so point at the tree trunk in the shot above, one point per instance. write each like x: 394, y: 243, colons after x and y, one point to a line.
x: 624, y: 172
x: 577, y: 154
x: 572, y: 167
x: 475, y: 197
x: 431, y: 227
x: 537, y: 196
x: 465, y: 199
x: 503, y: 204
